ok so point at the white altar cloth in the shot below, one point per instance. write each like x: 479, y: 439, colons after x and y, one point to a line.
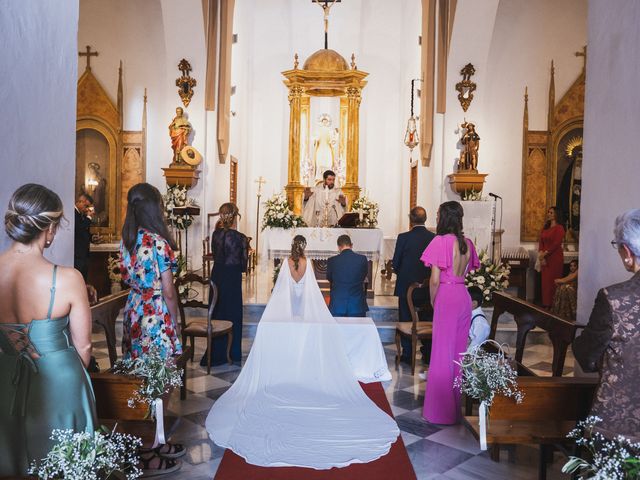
x: 322, y: 242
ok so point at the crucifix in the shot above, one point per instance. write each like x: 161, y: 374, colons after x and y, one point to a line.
x: 327, y: 9
x: 88, y: 54
x: 260, y: 181
x: 583, y: 54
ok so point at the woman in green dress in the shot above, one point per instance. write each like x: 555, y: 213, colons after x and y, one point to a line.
x: 45, y: 336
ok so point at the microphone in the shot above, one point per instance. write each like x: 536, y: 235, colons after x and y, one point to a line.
x: 495, y: 196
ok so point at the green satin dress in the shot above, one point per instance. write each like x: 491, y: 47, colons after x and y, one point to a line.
x: 43, y: 386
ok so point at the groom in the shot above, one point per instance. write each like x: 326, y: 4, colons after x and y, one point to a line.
x: 346, y: 273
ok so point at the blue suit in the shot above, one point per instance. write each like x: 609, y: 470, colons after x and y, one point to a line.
x: 346, y: 273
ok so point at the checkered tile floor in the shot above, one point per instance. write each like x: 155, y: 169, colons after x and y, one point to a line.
x: 435, y: 452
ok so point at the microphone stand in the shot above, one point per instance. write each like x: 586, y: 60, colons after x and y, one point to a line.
x: 493, y: 229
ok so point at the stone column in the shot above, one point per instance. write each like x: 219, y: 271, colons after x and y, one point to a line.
x: 294, y: 188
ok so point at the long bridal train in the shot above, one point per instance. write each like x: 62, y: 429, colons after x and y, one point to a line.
x: 296, y: 401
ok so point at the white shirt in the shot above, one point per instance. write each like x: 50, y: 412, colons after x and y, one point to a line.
x: 480, y: 328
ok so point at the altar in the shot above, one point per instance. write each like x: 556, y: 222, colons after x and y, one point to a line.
x: 322, y: 244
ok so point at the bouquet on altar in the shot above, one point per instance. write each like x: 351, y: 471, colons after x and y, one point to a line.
x: 489, y: 277
x: 368, y: 211
x: 278, y: 214
x: 176, y: 196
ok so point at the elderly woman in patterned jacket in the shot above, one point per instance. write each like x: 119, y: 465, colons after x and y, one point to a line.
x: 610, y: 343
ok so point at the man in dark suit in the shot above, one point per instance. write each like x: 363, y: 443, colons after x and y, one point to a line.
x: 82, y: 235
x: 346, y: 273
x: 409, y: 269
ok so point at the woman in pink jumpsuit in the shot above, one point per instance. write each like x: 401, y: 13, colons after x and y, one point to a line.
x: 451, y: 312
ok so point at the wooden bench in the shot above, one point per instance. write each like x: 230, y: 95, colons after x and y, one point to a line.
x: 105, y: 313
x: 550, y: 409
x: 527, y: 316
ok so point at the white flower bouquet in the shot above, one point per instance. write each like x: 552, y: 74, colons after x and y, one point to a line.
x: 617, y: 459
x: 159, y: 376
x: 369, y: 210
x: 278, y: 214
x: 472, y: 196
x: 489, y: 277
x: 102, y: 455
x: 176, y: 196
x: 484, y: 374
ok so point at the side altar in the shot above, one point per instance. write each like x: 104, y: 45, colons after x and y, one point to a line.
x: 322, y: 244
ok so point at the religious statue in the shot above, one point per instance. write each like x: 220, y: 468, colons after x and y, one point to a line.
x: 324, y: 204
x: 179, y: 131
x: 570, y: 186
x: 471, y: 143
x: 324, y: 147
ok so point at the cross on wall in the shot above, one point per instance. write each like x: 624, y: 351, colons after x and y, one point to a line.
x: 88, y: 54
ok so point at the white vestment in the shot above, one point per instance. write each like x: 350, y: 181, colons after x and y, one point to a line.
x: 323, y: 208
x: 297, y: 401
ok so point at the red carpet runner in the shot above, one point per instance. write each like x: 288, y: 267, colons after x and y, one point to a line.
x: 395, y: 464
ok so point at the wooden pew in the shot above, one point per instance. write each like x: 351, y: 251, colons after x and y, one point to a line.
x: 527, y: 316
x: 105, y: 313
x: 550, y: 409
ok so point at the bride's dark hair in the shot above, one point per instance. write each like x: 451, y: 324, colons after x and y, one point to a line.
x: 297, y: 249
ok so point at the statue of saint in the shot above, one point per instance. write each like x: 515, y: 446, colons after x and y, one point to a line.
x: 323, y: 147
x: 179, y: 131
x: 471, y: 142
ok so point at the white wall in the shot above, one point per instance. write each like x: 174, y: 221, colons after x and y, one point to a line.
x: 38, y: 96
x: 610, y: 165
x: 511, y: 44
x: 151, y: 37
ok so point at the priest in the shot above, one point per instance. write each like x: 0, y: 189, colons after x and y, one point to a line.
x: 324, y: 204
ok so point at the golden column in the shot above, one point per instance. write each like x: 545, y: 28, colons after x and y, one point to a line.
x: 294, y: 188
x: 351, y: 188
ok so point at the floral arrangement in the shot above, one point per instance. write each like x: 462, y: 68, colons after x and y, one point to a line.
x: 278, y: 214
x: 276, y: 272
x: 472, y: 196
x: 100, y: 455
x: 368, y: 208
x: 617, y: 459
x: 176, y: 196
x: 113, y: 265
x: 484, y: 374
x: 184, y: 289
x: 159, y: 376
x: 489, y: 277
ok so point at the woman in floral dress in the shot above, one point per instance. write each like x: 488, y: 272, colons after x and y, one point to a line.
x: 147, y: 265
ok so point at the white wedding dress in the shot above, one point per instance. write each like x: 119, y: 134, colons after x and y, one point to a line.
x: 296, y: 401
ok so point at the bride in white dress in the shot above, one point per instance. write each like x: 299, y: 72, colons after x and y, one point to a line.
x: 296, y: 401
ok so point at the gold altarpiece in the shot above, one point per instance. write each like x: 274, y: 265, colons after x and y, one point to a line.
x: 324, y: 74
x: 543, y: 154
x: 119, y: 161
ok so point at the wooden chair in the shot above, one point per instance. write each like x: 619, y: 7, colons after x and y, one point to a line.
x: 203, y: 326
x: 416, y: 330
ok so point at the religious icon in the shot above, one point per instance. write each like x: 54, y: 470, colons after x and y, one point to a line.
x: 324, y: 144
x: 179, y: 130
x: 466, y: 87
x: 185, y: 82
x: 471, y: 142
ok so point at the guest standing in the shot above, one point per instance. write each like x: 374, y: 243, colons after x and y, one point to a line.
x: 45, y: 336
x: 230, y: 254
x: 550, y: 255
x: 82, y: 235
x: 610, y: 343
x: 565, y: 298
x: 347, y: 272
x: 450, y: 256
x: 409, y: 269
x: 147, y: 266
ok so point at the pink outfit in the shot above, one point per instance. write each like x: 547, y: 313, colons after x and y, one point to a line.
x: 451, y: 323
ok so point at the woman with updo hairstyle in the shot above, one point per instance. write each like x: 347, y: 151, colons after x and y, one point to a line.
x: 451, y: 256
x: 230, y: 253
x: 147, y: 264
x: 45, y: 336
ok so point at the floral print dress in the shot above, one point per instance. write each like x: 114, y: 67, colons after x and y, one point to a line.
x: 147, y: 320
